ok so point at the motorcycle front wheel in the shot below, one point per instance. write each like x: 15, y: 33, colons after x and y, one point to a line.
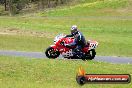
x: 51, y: 53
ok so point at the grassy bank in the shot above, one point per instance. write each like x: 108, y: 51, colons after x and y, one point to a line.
x: 113, y: 34
x: 23, y: 43
x: 18, y: 72
x: 95, y: 8
x: 110, y: 27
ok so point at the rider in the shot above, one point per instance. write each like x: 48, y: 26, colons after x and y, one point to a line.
x: 79, y: 41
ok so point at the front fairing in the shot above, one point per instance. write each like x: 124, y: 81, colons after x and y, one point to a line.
x: 59, y: 39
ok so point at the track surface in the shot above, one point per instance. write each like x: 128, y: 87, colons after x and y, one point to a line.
x: 110, y: 59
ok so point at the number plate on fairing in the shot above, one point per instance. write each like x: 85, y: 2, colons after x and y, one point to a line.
x: 93, y: 45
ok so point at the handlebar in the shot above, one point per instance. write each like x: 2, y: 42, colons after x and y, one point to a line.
x: 62, y: 43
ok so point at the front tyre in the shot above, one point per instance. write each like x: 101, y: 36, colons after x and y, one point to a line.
x: 51, y: 53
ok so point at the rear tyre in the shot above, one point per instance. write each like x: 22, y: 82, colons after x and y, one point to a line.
x: 51, y: 53
x: 90, y: 55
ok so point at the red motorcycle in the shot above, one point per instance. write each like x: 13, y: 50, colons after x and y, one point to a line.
x: 58, y: 48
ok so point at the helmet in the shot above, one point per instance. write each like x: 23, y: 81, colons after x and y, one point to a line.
x: 74, y: 29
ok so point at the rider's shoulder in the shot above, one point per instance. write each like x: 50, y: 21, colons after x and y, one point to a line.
x: 80, y: 33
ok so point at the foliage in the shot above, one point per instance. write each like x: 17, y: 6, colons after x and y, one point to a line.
x: 15, y: 6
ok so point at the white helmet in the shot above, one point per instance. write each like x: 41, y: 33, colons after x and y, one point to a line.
x: 73, y: 29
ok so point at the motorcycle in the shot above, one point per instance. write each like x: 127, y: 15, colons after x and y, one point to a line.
x: 53, y: 51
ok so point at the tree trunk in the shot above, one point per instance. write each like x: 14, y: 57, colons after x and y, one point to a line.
x: 11, y: 8
x: 48, y: 1
x: 56, y: 3
x: 5, y: 6
x: 41, y: 4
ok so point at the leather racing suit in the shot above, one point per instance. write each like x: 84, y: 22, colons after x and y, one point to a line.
x: 79, y: 42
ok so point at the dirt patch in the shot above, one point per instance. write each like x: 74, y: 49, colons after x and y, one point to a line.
x: 14, y: 31
x: 107, y: 10
x: 116, y: 11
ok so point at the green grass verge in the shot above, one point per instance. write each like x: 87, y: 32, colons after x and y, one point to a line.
x: 17, y: 72
x: 112, y: 31
x: 95, y: 8
x: 113, y: 34
x: 23, y: 43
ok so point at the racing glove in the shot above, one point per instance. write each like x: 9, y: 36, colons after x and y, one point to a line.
x: 66, y: 45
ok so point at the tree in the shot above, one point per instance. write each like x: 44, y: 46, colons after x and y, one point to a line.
x: 41, y: 4
x: 5, y: 5
x: 11, y: 8
x: 16, y: 5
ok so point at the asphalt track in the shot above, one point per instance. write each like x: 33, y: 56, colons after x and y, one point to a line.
x: 40, y: 55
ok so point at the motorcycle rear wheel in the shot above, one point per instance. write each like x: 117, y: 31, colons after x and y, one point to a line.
x: 90, y: 55
x: 51, y: 53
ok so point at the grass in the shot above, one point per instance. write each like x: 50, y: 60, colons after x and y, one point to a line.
x: 113, y: 31
x: 18, y: 72
x: 107, y: 21
x: 113, y: 34
x: 95, y: 8
x: 23, y: 43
